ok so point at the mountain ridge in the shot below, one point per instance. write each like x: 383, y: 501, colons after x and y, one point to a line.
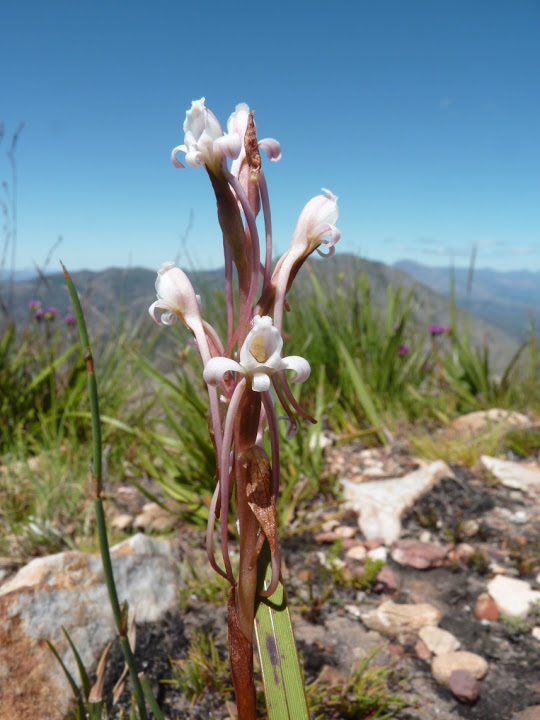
x: 128, y: 292
x: 510, y: 298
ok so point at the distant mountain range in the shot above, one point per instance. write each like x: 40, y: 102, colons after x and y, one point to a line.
x: 510, y: 300
x: 18, y: 275
x: 498, y: 306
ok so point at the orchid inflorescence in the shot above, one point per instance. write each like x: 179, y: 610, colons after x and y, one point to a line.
x: 247, y: 370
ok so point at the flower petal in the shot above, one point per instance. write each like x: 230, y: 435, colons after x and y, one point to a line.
x: 166, y: 318
x: 216, y: 367
x: 272, y: 148
x: 299, y: 365
x: 231, y: 145
x: 175, y: 161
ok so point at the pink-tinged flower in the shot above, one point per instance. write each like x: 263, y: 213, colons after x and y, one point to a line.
x: 39, y: 315
x: 403, y: 350
x: 205, y: 143
x: 34, y: 305
x: 260, y: 358
x: 70, y: 319
x: 317, y: 221
x: 176, y: 297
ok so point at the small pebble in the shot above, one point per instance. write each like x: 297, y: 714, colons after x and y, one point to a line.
x: 486, y: 608
x: 374, y: 543
x: 379, y: 553
x: 356, y: 552
x: 464, y: 686
x: 422, y: 650
x: 344, y: 531
x: 329, y: 525
x: 353, y: 610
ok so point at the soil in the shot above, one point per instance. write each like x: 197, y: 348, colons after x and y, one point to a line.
x: 468, y: 508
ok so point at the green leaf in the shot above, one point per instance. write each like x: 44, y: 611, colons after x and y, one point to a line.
x: 85, y: 680
x: 73, y: 684
x: 282, y: 674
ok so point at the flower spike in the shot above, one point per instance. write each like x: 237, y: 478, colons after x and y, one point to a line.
x: 246, y: 376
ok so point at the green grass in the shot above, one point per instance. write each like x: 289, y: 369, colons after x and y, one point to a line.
x: 154, y: 407
x: 363, y: 694
x: 155, y: 435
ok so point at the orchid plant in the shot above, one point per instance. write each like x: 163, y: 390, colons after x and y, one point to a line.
x: 246, y: 371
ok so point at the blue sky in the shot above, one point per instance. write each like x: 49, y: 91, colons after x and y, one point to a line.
x: 422, y: 115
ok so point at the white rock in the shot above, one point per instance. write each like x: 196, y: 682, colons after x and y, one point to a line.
x: 353, y: 610
x: 319, y: 439
x: 68, y: 589
x: 378, y: 553
x: 513, y: 596
x: 520, y: 517
x: 438, y: 641
x: 535, y: 632
x: 345, y: 532
x: 513, y: 475
x: 122, y: 522
x: 357, y: 552
x: 329, y: 525
x: 443, y: 666
x: 380, y: 503
x: 401, y: 621
x: 487, y: 420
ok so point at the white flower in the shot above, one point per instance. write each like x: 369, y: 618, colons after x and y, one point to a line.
x: 205, y: 143
x: 316, y: 222
x: 260, y: 357
x: 176, y: 296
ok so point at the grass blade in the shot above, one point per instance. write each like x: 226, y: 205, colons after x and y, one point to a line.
x: 362, y: 393
x: 85, y: 680
x: 69, y: 676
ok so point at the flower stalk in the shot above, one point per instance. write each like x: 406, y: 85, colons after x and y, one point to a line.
x: 247, y: 370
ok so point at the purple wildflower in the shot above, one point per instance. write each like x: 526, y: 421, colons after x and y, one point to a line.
x: 70, y: 319
x: 50, y: 313
x: 438, y: 330
x: 403, y: 350
x: 39, y: 314
x: 34, y: 305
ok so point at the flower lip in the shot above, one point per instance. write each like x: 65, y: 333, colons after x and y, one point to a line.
x: 262, y: 346
x: 260, y: 358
